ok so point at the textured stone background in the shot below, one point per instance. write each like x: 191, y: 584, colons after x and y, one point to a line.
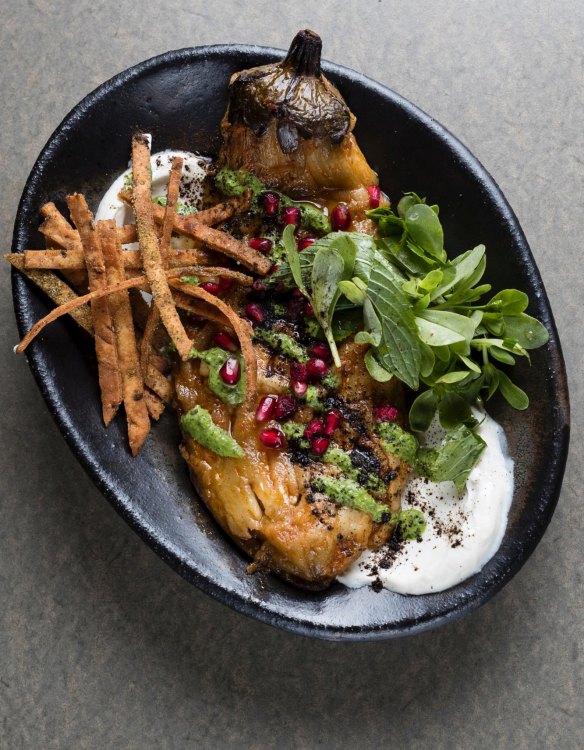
x: 103, y: 646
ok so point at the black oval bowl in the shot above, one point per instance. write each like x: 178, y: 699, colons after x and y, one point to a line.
x: 180, y: 97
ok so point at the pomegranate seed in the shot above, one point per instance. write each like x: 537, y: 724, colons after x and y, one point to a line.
x: 254, y: 313
x: 314, y: 428
x: 272, y: 438
x: 298, y: 389
x: 291, y: 215
x: 285, y: 408
x: 296, y: 309
x: 225, y: 284
x: 211, y: 287
x: 261, y: 244
x: 374, y: 196
x: 331, y: 421
x: 230, y: 372
x: 309, y: 311
x: 320, y: 350
x: 224, y: 340
x: 266, y: 408
x: 385, y: 413
x: 259, y: 287
x: 319, y: 445
x: 305, y: 242
x: 273, y: 268
x: 297, y: 293
x: 271, y: 203
x: 340, y: 217
x: 299, y: 372
x: 316, y: 368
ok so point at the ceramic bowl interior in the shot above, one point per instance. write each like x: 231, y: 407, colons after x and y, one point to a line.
x: 180, y: 97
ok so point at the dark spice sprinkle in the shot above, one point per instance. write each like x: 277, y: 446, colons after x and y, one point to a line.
x: 298, y: 455
x: 377, y: 586
x: 340, y: 537
x: 366, y: 461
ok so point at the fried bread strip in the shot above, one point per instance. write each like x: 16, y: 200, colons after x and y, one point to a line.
x: 119, y: 302
x: 57, y: 230
x: 154, y: 404
x: 136, y: 281
x: 110, y: 380
x: 216, y: 214
x: 172, y: 193
x: 198, y: 308
x: 149, y: 245
x: 193, y: 226
x: 58, y: 259
x: 55, y: 288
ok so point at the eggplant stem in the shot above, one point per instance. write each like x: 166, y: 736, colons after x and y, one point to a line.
x: 304, y: 53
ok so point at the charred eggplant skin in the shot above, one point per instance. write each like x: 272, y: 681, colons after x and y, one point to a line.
x: 295, y: 93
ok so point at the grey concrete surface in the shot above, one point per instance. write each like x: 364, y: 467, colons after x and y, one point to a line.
x: 103, y: 646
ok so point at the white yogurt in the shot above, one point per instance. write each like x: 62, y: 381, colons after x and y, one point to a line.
x: 462, y: 533
x: 195, y: 168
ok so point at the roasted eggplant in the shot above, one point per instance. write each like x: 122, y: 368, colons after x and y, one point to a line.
x: 289, y: 127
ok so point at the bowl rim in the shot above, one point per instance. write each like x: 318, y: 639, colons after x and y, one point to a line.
x: 37, y: 359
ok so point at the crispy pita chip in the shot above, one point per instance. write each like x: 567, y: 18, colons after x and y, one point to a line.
x: 55, y: 288
x: 220, y: 212
x: 172, y: 193
x: 217, y: 214
x: 150, y: 248
x: 119, y: 303
x: 198, y: 308
x: 156, y: 381
x: 154, y: 404
x: 110, y: 381
x: 59, y: 259
x: 149, y: 330
x: 59, y: 231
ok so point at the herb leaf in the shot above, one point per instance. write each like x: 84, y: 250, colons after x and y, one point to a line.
x: 327, y: 270
x: 454, y: 458
x: 399, y: 349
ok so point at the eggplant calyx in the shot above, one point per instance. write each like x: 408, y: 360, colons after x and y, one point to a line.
x: 295, y: 93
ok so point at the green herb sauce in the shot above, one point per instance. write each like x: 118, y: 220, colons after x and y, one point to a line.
x: 342, y: 459
x: 347, y: 492
x: 411, y: 524
x: 398, y: 441
x: 215, y: 358
x: 282, y: 343
x: 231, y: 183
x: 198, y: 424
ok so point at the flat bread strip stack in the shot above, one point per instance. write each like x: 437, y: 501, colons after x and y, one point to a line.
x: 91, y: 256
